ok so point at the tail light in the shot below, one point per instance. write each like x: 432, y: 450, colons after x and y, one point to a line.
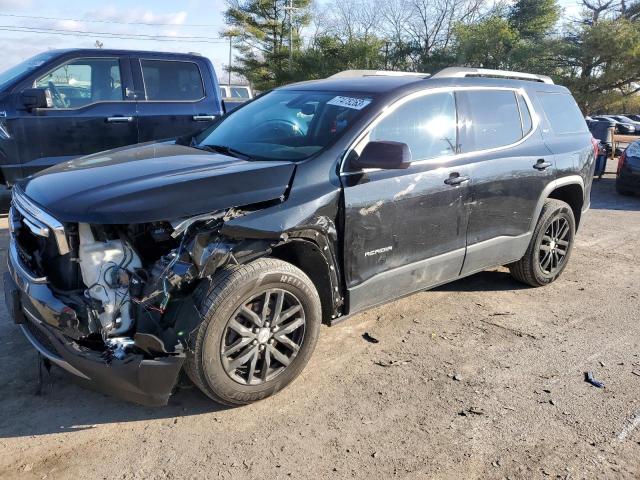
x: 621, y: 159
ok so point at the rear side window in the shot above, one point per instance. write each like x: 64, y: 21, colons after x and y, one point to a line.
x: 563, y: 113
x: 491, y: 119
x: 172, y: 80
x: 427, y: 124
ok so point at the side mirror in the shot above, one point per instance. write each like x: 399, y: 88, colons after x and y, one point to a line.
x: 36, y: 98
x: 384, y: 155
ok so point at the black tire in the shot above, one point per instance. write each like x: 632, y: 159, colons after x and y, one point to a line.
x: 529, y: 269
x: 622, y: 191
x: 220, y: 300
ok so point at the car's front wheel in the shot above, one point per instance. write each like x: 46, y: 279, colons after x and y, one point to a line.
x: 550, y: 247
x: 260, y: 325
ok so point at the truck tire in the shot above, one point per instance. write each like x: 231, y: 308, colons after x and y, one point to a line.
x: 260, y: 325
x: 550, y: 247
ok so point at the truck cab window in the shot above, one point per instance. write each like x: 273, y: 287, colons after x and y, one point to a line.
x: 84, y: 81
x: 167, y: 80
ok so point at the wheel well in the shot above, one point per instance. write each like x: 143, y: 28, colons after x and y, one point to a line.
x: 573, y: 195
x: 307, y: 257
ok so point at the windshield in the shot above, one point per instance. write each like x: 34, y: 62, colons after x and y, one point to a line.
x: 8, y: 76
x: 287, y: 124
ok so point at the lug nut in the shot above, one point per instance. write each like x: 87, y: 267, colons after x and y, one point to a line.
x: 272, y: 341
x: 255, y: 342
x: 266, y: 324
x: 261, y: 348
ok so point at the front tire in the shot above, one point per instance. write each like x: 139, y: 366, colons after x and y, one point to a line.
x: 260, y: 325
x: 550, y: 247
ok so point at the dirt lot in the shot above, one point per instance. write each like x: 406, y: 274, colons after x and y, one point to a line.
x: 482, y: 378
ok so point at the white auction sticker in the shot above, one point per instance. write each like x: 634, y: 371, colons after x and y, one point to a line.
x: 349, y: 102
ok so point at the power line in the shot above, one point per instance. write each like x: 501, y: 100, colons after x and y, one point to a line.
x: 10, y: 28
x: 128, y: 36
x: 33, y: 17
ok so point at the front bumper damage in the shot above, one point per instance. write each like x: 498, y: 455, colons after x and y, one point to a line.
x: 43, y: 319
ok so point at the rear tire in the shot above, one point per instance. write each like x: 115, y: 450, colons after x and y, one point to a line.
x: 550, y: 247
x: 245, y: 351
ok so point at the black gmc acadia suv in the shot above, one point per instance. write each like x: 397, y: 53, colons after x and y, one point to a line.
x: 224, y: 252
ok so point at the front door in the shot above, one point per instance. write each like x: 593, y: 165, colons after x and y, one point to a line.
x: 173, y: 98
x: 90, y: 113
x: 405, y: 229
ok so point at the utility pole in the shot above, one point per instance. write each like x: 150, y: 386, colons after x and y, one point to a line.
x: 230, y: 39
x: 289, y: 9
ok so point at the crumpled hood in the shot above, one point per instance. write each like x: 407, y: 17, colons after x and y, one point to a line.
x: 151, y: 182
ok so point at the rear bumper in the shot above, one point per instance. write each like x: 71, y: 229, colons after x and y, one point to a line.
x: 629, y: 179
x: 42, y: 318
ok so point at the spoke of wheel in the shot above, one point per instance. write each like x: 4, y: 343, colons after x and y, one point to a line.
x: 563, y: 230
x: 554, y: 264
x: 265, y: 307
x: 287, y: 342
x: 544, y: 263
x: 564, y: 243
x: 243, y: 357
x: 546, y: 238
x: 266, y: 363
x: 545, y: 248
x: 561, y: 251
x: 251, y: 315
x: 288, y: 313
x: 241, y: 329
x: 237, y: 345
x: 291, y: 326
x: 252, y: 366
x: 283, y: 359
x: 277, y: 310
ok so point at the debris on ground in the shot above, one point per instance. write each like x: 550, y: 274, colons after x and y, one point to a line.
x: 471, y: 411
x: 588, y: 377
x: 635, y: 372
x: 391, y: 363
x: 370, y: 338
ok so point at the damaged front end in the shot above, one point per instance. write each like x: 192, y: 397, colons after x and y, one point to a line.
x: 114, y: 304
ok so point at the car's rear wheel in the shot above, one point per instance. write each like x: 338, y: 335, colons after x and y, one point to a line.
x: 550, y: 247
x: 260, y: 325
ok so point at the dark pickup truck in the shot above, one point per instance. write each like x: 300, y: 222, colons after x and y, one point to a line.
x: 222, y: 254
x: 63, y: 104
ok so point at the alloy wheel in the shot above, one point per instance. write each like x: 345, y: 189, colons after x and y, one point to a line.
x: 263, y: 337
x: 554, y: 246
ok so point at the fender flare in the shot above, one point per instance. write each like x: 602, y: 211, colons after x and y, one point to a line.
x: 553, y: 185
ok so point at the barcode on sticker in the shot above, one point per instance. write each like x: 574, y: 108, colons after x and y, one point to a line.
x: 349, y: 102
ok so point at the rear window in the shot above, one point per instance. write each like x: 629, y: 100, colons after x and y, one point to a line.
x: 491, y: 119
x: 563, y: 113
x: 172, y: 80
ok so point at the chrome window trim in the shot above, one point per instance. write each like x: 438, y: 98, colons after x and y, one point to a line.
x: 144, y: 84
x: 535, y: 119
x: 39, y: 217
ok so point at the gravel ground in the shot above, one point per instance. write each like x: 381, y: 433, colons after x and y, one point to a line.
x: 482, y: 378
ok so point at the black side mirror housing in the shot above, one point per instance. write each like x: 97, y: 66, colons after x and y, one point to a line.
x: 386, y: 155
x: 36, y: 98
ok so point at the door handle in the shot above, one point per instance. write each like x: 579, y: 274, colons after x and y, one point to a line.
x: 541, y: 164
x: 119, y: 119
x: 204, y: 118
x: 455, y: 179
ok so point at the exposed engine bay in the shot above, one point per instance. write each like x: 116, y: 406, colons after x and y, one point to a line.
x: 130, y: 286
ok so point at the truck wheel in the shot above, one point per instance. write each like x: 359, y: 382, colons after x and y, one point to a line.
x: 260, y: 325
x: 550, y: 247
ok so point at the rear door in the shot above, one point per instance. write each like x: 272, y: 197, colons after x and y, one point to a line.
x: 174, y: 97
x: 405, y: 229
x: 510, y: 167
x: 91, y: 112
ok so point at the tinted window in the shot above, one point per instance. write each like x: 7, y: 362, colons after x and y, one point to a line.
x: 491, y: 119
x: 171, y: 80
x: 83, y: 81
x: 427, y: 124
x: 239, y: 92
x: 527, y: 123
x: 563, y: 113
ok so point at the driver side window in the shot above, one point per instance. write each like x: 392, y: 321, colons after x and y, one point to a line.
x: 84, y: 81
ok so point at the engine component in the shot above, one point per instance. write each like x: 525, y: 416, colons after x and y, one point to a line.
x: 106, y: 268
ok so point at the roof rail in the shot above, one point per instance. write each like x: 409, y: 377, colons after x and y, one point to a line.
x: 377, y: 73
x: 461, y: 72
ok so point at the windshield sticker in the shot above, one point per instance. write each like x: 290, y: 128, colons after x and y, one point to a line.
x: 349, y: 102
